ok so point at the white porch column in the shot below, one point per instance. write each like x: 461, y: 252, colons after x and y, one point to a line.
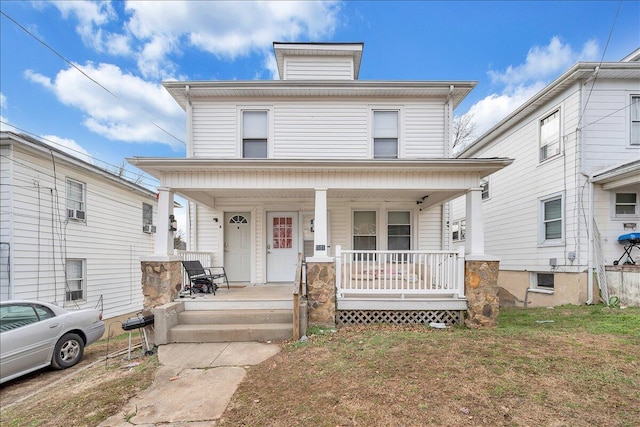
x: 474, y: 240
x: 164, y: 236
x: 320, y: 240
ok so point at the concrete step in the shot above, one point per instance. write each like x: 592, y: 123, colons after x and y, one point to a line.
x: 230, y: 332
x: 236, y: 304
x: 226, y: 317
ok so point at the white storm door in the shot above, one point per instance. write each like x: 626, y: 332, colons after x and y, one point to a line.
x: 237, y: 246
x: 282, y: 246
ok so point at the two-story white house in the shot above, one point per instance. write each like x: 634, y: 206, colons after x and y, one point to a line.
x: 71, y: 233
x: 574, y: 188
x: 316, y: 161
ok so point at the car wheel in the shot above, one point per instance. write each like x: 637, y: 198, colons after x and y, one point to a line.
x: 68, y: 351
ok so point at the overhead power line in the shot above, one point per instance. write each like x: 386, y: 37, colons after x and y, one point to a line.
x: 42, y: 42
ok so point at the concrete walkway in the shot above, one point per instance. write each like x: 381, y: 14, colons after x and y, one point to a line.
x: 194, y: 384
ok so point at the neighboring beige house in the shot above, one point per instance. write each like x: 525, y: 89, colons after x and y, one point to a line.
x: 321, y: 163
x: 556, y: 214
x: 71, y: 233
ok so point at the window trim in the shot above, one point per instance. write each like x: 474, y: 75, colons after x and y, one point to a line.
x: 83, y: 202
x: 540, y: 146
x: 534, y: 285
x: 542, y: 241
x: 384, y: 107
x: 83, y: 282
x: 240, y: 109
x: 631, y: 121
x: 485, y: 185
x: 410, y: 224
x: 376, y: 233
x: 614, y: 204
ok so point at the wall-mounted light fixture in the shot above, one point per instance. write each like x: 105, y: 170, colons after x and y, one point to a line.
x: 173, y: 224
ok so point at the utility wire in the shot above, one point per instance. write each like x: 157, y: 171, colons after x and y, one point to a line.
x: 82, y: 72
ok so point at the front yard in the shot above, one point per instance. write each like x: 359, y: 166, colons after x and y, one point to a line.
x: 568, y: 366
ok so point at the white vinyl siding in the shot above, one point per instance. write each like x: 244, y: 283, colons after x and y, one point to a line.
x: 423, y: 134
x: 635, y: 120
x: 550, y: 135
x: 214, y: 130
x: 315, y: 68
x: 111, y: 240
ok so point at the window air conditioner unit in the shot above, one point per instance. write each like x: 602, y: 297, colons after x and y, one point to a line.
x: 75, y: 214
x: 149, y: 228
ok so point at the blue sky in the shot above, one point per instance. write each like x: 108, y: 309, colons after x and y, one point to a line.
x: 513, y: 49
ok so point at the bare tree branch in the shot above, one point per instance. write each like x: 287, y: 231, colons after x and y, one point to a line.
x: 464, y: 130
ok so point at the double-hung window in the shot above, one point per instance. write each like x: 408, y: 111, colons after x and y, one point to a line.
x: 399, y: 230
x: 385, y: 134
x: 635, y: 120
x: 626, y: 204
x: 552, y: 224
x: 75, y: 272
x: 484, y: 185
x: 255, y: 133
x: 550, y: 135
x: 75, y: 200
x: 364, y: 232
x: 458, y: 230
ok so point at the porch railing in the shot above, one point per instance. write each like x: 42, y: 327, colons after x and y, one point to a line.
x: 388, y: 273
x: 205, y: 258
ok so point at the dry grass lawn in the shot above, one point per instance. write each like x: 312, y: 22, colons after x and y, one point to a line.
x: 582, y: 369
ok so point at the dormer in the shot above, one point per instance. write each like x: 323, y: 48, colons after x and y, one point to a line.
x: 318, y: 61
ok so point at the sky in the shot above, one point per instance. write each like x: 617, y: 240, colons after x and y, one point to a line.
x: 85, y: 76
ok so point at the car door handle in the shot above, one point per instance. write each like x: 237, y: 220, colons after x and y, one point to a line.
x: 55, y: 325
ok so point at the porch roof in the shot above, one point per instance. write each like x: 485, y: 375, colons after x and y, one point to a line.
x: 426, y: 181
x: 620, y: 176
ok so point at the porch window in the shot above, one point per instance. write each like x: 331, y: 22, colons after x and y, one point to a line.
x: 459, y: 230
x: 399, y: 231
x: 364, y: 230
x: 552, y: 219
x: 74, y: 270
x: 550, y: 135
x: 254, y: 134
x: 635, y: 120
x: 484, y: 185
x: 385, y: 134
x: 75, y: 200
x: 626, y: 204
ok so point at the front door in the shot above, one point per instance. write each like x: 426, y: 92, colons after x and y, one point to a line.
x: 282, y: 246
x: 237, y: 246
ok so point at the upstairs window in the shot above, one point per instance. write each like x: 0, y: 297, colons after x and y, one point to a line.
x: 550, y: 136
x: 626, y: 204
x: 635, y: 120
x: 75, y: 200
x: 254, y: 134
x: 385, y: 134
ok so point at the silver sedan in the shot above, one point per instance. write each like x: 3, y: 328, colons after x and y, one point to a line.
x: 36, y: 334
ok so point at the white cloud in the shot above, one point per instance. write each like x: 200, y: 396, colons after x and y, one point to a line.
x: 545, y: 61
x: 131, y: 116
x: 156, y: 31
x: 69, y: 146
x: 3, y: 101
x: 521, y: 82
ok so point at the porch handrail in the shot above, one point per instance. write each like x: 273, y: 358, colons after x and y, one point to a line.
x: 428, y: 273
x: 297, y: 291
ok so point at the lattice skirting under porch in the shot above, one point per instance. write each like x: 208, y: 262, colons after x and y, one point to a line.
x: 398, y: 317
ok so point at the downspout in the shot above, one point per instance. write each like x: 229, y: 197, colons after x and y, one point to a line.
x: 445, y: 211
x: 449, y: 122
x: 191, y: 232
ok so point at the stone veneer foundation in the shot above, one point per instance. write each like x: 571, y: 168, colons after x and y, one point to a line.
x: 321, y: 291
x: 161, y: 283
x: 481, y: 290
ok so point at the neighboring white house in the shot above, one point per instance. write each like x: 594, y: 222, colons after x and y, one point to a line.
x: 573, y: 189
x: 71, y: 233
x: 315, y: 160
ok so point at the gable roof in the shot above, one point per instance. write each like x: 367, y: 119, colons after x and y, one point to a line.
x: 39, y: 148
x: 581, y: 71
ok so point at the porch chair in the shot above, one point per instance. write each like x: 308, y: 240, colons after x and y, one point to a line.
x: 203, y: 279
